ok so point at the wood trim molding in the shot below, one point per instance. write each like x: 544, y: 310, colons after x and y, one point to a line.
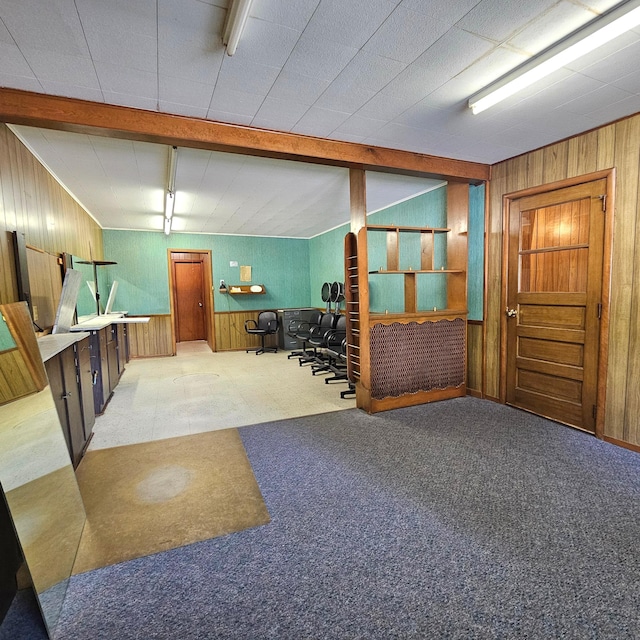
x: 82, y: 116
x: 622, y: 443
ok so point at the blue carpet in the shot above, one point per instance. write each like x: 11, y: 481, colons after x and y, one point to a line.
x: 459, y: 519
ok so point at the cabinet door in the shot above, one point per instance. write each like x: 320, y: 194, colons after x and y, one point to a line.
x: 73, y: 402
x: 104, y: 365
x: 122, y: 349
x: 112, y: 357
x: 83, y: 356
x: 96, y: 372
x: 56, y: 383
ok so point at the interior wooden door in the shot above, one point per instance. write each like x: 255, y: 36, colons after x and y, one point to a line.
x: 189, y: 301
x: 554, y: 286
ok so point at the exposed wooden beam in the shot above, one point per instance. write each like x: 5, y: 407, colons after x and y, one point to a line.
x: 81, y: 116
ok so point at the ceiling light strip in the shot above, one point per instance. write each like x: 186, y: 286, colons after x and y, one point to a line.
x: 612, y: 24
x: 237, y: 15
x: 170, y: 194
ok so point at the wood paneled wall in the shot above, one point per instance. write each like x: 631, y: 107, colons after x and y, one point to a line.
x: 152, y: 338
x: 31, y: 201
x: 15, y: 380
x: 475, y: 352
x: 613, y: 146
x: 230, y: 333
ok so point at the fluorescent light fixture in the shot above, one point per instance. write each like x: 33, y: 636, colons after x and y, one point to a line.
x: 171, y: 168
x: 610, y: 25
x: 170, y: 195
x: 237, y: 15
x: 169, y: 204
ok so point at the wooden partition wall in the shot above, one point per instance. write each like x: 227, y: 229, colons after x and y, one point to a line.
x: 614, y: 146
x: 32, y: 202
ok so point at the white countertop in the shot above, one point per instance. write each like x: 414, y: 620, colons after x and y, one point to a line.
x: 54, y: 344
x: 95, y: 323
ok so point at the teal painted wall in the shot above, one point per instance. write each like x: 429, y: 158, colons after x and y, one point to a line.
x: 280, y: 264
x: 475, y: 277
x: 292, y: 270
x: 326, y: 260
x: 387, y: 291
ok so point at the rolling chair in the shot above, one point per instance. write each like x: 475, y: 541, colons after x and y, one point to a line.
x: 266, y: 325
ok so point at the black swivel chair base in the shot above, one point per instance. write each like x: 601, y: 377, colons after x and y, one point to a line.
x: 262, y: 348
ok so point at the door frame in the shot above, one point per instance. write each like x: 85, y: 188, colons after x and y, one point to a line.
x: 603, y: 351
x: 205, y: 257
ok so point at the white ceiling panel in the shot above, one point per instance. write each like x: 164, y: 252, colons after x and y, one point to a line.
x: 240, y: 102
x: 349, y: 23
x: 319, y: 122
x: 267, y: 42
x: 498, y: 20
x: 405, y: 35
x: 342, y: 95
x: 274, y: 109
x: 294, y: 15
x: 47, y: 26
x: 396, y: 73
x: 13, y: 62
x: 63, y: 68
x: 298, y: 87
x: 121, y: 33
x: 318, y: 57
x: 135, y: 82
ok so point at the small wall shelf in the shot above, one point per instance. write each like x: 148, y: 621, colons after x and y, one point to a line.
x: 245, y: 289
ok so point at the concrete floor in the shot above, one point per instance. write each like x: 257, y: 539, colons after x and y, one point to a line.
x: 198, y: 391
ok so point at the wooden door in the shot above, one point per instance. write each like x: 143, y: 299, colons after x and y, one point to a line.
x: 189, y: 296
x: 554, y: 286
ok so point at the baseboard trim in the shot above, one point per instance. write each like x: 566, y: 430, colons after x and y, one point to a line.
x: 622, y: 443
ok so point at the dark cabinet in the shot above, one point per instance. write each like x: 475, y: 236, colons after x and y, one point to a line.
x: 100, y: 369
x: 85, y: 375
x: 64, y: 382
x: 107, y: 362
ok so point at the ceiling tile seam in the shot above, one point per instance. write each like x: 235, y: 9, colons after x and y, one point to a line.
x: 157, y: 56
x: 392, y: 79
x: 285, y: 62
x: 93, y: 64
x: 21, y: 53
x: 407, y: 65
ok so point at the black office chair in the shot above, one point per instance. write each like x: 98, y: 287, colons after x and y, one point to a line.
x: 266, y: 325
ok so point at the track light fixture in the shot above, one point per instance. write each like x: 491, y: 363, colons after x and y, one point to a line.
x: 610, y: 25
x: 237, y: 15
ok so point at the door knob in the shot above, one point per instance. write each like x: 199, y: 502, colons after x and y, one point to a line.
x: 511, y: 313
x: 199, y: 304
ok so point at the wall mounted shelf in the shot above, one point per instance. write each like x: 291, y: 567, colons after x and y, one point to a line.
x: 245, y: 289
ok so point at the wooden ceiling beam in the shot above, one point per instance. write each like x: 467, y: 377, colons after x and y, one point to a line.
x: 95, y: 118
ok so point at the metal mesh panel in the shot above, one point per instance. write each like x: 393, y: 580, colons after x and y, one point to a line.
x: 406, y: 358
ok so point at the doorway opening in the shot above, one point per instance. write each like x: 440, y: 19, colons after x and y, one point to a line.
x: 191, y: 296
x: 557, y: 249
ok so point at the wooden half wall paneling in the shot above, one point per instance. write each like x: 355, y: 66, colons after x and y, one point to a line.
x: 613, y: 146
x: 230, y: 333
x: 475, y: 330
x: 32, y: 202
x: 150, y: 339
x: 15, y: 379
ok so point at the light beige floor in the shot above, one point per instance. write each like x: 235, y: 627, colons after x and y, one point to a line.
x: 198, y: 391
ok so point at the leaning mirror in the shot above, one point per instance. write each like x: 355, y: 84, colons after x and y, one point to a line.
x: 35, y: 468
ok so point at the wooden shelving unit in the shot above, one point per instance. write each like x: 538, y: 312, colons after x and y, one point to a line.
x: 416, y: 355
